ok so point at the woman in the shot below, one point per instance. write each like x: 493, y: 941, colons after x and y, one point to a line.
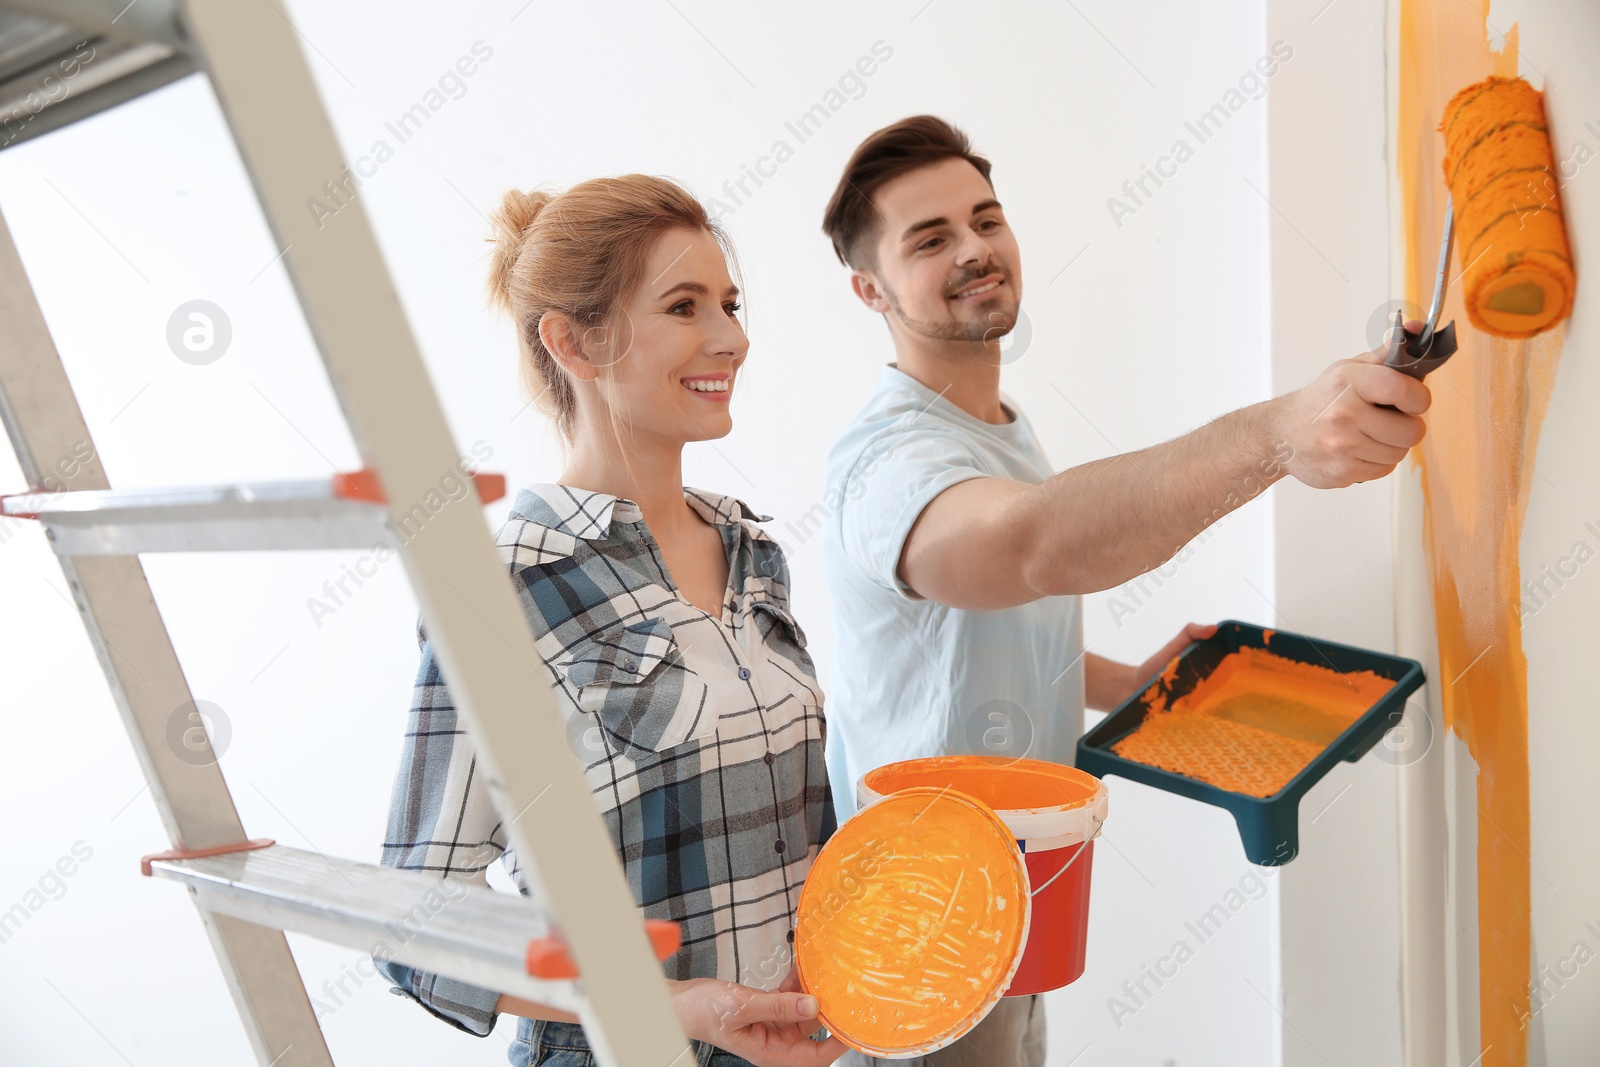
x: 662, y: 613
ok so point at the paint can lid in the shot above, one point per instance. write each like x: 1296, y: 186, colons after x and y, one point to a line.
x: 912, y: 922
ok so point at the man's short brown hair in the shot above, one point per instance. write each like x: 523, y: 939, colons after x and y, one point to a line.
x: 851, y: 220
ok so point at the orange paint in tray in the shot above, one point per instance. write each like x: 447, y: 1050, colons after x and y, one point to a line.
x: 1253, y: 723
x: 961, y: 879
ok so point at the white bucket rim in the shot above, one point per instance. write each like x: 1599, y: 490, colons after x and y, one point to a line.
x: 1060, y: 826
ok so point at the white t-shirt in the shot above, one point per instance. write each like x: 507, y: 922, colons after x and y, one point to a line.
x: 912, y: 677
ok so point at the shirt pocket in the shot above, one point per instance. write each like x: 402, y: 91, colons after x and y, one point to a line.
x: 783, y: 644
x: 634, y: 679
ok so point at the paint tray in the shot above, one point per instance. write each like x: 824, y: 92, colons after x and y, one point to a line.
x: 1269, y: 824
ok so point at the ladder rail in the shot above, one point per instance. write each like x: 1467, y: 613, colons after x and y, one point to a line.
x: 499, y: 682
x: 56, y: 451
x: 500, y: 685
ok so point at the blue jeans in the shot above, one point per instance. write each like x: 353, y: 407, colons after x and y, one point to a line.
x: 541, y: 1043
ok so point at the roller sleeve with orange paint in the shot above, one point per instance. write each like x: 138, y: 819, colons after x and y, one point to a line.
x: 1510, y: 233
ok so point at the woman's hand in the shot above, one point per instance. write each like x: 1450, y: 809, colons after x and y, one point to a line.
x: 768, y: 1029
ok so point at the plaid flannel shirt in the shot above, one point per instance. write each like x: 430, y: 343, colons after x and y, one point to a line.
x: 701, y: 738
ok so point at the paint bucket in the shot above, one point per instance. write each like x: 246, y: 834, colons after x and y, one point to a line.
x: 911, y: 922
x: 1054, y: 812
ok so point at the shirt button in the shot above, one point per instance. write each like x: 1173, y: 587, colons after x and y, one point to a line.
x: 791, y: 937
x: 779, y: 846
x: 632, y: 666
x: 768, y: 758
x: 744, y: 674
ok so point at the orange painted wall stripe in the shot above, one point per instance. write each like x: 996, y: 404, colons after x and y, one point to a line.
x: 1488, y: 405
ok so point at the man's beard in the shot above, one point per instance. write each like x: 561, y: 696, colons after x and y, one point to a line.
x: 998, y: 325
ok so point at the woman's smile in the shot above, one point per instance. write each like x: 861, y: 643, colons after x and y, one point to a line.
x: 717, y: 388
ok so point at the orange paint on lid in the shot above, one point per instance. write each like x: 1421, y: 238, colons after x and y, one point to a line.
x: 1253, y: 723
x: 912, y: 922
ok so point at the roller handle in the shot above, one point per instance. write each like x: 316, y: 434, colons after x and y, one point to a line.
x: 1417, y: 354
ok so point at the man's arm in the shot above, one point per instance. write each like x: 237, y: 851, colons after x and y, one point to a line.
x: 1106, y: 683
x: 990, y: 543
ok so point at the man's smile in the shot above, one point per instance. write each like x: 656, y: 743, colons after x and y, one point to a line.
x: 987, y: 284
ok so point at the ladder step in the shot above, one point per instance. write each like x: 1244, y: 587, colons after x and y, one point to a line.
x: 40, y: 57
x: 346, y: 510
x: 473, y: 933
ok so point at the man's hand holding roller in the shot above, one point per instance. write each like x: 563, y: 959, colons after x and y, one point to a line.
x: 1337, y: 429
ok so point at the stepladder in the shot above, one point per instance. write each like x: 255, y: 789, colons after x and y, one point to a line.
x: 578, y: 941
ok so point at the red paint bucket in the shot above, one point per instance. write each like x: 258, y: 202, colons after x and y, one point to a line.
x: 1054, y: 812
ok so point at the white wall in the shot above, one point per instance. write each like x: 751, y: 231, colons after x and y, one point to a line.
x: 1140, y: 332
x: 1559, y: 39
x: 1329, y: 232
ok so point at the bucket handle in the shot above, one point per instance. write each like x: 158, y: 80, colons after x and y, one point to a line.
x: 1098, y: 823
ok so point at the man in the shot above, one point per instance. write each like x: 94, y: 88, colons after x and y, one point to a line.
x: 957, y: 558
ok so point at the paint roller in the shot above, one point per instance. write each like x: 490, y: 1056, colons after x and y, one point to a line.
x: 1504, y: 211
